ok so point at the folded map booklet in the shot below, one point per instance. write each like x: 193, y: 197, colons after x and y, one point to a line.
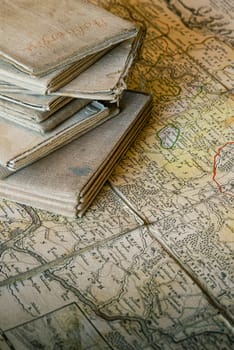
x: 45, y: 44
x: 33, y: 102
x: 40, y: 120
x: 20, y: 146
x: 40, y: 36
x: 67, y: 180
x: 46, y: 83
x: 103, y: 80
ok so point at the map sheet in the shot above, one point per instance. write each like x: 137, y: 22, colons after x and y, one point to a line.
x: 150, y: 265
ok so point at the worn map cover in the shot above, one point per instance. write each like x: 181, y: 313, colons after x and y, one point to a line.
x: 41, y: 36
x: 20, y: 147
x: 41, y: 121
x: 67, y: 180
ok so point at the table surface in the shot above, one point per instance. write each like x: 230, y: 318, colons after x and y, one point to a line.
x: 150, y: 265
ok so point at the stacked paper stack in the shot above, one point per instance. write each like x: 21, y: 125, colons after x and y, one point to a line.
x: 62, y: 73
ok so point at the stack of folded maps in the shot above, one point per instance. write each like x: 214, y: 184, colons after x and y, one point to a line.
x: 65, y: 117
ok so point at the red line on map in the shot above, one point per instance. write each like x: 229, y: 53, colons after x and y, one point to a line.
x: 215, y: 165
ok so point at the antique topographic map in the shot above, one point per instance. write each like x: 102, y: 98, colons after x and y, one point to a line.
x: 150, y: 265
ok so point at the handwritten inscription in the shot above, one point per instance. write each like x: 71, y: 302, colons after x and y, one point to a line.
x: 50, y: 39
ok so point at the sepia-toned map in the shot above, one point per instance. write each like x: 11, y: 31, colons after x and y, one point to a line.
x: 150, y: 265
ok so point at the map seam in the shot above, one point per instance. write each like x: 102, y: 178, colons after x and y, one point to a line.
x: 52, y: 264
x: 188, y: 271
x: 128, y: 203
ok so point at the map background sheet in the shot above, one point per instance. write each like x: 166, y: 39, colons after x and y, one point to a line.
x: 150, y: 265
